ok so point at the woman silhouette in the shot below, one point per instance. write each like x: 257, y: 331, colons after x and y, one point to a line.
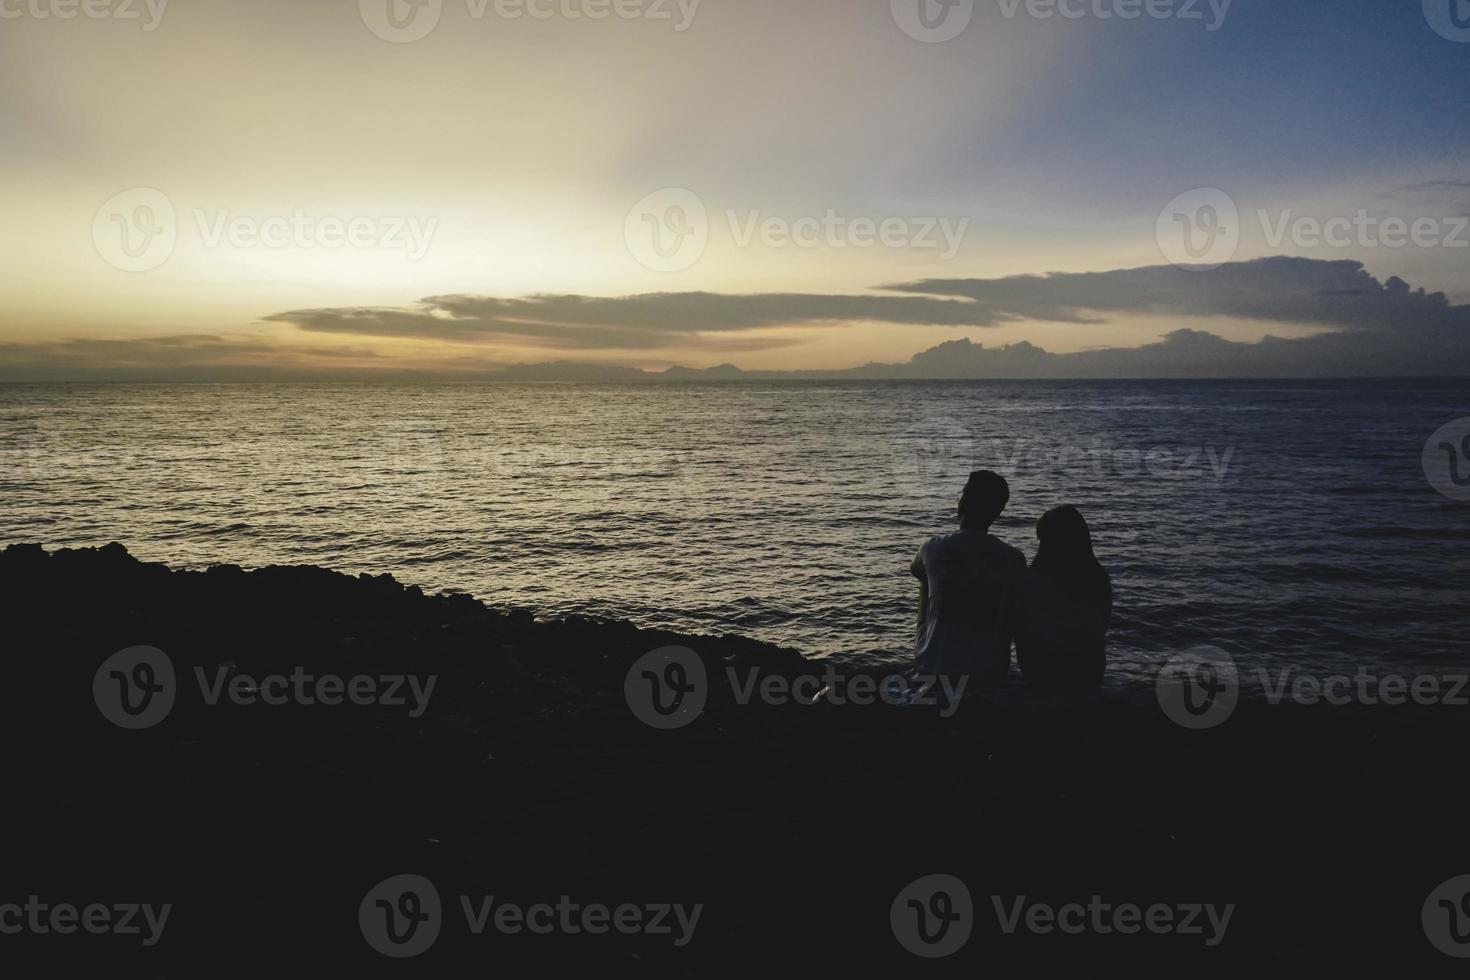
x: 1066, y: 603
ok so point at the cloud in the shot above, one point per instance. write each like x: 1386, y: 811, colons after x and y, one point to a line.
x: 1373, y: 327
x: 640, y: 322
x: 1337, y: 294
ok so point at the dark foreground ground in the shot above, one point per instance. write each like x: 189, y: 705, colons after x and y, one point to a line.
x: 528, y: 778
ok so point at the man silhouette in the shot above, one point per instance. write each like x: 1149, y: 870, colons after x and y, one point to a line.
x: 968, y: 582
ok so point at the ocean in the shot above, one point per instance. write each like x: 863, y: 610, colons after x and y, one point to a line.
x: 1291, y: 524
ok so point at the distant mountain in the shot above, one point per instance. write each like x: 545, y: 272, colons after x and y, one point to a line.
x: 1439, y: 351
x: 1179, y: 354
x: 720, y: 372
x: 569, y: 371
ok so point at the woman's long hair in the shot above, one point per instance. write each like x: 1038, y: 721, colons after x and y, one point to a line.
x: 1064, y: 555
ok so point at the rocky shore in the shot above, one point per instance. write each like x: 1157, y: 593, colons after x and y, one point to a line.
x: 309, y: 735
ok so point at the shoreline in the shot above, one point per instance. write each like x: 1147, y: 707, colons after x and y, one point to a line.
x: 1257, y: 684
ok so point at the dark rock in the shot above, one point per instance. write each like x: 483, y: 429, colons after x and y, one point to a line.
x: 795, y: 825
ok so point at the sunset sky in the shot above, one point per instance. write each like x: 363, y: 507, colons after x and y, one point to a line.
x: 485, y: 194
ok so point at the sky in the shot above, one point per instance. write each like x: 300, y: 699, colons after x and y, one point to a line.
x: 450, y: 186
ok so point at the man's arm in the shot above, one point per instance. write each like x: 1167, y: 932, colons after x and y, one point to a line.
x: 917, y: 571
x: 1010, y: 613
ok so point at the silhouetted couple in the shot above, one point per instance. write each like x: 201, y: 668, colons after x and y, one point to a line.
x: 976, y: 595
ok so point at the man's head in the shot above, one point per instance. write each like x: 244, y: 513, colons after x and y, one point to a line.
x: 985, y: 496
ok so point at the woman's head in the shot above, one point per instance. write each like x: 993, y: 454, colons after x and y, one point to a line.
x: 1066, y: 530
x: 1064, y: 554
